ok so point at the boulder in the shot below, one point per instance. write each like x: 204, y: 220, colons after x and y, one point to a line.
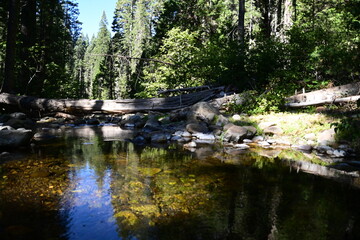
x: 196, y: 128
x: 235, y: 133
x: 327, y: 137
x: 18, y: 115
x: 273, y: 130
x: 15, y: 138
x: 152, y: 124
x: 310, y: 136
x: 20, y: 123
x: 132, y: 121
x: 221, y: 121
x: 202, y: 111
x: 251, y: 131
x: 258, y: 139
x: 43, y: 137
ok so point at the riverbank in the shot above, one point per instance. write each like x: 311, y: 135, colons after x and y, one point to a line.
x: 313, y: 135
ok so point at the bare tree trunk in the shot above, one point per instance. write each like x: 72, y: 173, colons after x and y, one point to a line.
x: 12, y: 29
x: 241, y: 24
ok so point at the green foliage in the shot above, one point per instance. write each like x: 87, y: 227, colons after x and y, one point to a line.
x: 348, y: 129
x: 180, y: 50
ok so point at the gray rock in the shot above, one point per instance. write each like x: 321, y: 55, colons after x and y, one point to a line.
x: 235, y: 134
x: 15, y: 123
x: 6, y: 128
x: 191, y: 144
x: 241, y: 146
x: 323, y: 148
x: 204, y: 136
x: 264, y: 144
x: 273, y: 130
x: 258, y: 139
x: 18, y: 115
x: 310, y: 136
x: 329, y: 152
x: 221, y: 120
x: 43, y: 136
x: 15, y: 138
x: 196, y: 128
x: 306, y: 148
x: 247, y: 141
x: 177, y: 138
x: 152, y: 124
x: 139, y: 140
x: 339, y: 153
x: 327, y: 137
x: 227, y: 126
x: 160, y: 137
x: 264, y: 125
x: 202, y: 111
x: 132, y: 121
x: 236, y: 117
x: 4, y: 155
x: 251, y: 131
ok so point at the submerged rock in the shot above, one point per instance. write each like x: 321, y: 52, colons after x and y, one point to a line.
x: 160, y: 137
x: 15, y: 138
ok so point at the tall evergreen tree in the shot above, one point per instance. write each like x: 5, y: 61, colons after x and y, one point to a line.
x: 94, y: 57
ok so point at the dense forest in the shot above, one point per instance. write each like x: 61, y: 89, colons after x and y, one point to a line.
x: 271, y: 46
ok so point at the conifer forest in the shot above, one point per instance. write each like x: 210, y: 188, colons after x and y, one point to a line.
x: 272, y: 46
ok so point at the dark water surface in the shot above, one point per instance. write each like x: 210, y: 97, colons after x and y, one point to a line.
x: 90, y: 184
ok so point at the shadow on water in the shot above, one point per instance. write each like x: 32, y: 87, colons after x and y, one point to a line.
x: 94, y: 185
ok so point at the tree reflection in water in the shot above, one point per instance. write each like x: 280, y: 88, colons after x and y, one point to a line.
x: 115, y: 190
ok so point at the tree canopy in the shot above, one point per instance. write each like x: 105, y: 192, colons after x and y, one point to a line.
x: 278, y: 45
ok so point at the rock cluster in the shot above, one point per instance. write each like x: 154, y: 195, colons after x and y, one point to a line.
x: 15, y: 130
x: 193, y: 127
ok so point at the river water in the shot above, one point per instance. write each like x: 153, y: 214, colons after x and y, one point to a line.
x: 91, y: 184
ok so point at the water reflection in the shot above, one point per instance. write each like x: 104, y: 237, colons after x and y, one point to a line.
x: 88, y: 188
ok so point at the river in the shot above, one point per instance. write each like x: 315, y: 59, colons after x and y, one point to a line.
x: 90, y: 183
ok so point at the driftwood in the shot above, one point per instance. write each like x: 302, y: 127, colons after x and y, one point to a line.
x: 26, y: 103
x: 340, y: 94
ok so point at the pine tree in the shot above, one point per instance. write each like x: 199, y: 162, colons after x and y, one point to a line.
x: 94, y: 57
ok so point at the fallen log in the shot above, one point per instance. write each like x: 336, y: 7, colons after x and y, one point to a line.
x: 28, y: 104
x: 339, y: 94
x: 322, y: 102
x: 184, y: 89
x: 347, y: 90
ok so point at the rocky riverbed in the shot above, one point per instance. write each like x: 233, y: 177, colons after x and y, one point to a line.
x: 202, y: 124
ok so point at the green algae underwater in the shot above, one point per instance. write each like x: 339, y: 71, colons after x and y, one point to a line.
x: 86, y: 185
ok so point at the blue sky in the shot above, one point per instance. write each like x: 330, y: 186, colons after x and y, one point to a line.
x: 91, y: 12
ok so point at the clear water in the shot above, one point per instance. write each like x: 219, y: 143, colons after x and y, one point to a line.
x: 91, y: 184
